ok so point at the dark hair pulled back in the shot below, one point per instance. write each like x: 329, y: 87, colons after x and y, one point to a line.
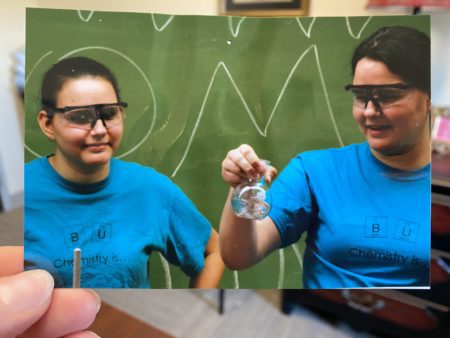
x: 404, y: 50
x: 72, y: 68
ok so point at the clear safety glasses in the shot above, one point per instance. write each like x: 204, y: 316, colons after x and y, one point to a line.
x: 383, y: 96
x: 85, y: 117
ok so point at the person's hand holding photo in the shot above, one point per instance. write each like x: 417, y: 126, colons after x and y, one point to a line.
x: 31, y: 307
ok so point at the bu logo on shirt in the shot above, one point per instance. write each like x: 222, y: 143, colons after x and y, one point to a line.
x: 98, y: 233
x: 406, y: 231
x: 376, y: 227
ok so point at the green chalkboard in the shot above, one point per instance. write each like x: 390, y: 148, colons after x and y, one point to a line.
x: 198, y: 86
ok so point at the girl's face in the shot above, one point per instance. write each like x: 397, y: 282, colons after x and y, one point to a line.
x: 85, y: 149
x: 402, y: 125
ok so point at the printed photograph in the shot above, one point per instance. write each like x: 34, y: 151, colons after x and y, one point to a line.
x: 170, y: 151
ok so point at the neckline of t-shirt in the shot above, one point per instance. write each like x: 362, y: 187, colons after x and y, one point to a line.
x: 82, y: 188
x: 397, y: 174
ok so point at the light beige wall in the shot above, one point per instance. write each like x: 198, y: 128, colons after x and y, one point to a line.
x: 209, y: 7
x: 206, y: 7
x: 12, y: 26
x: 201, y: 7
x: 345, y: 8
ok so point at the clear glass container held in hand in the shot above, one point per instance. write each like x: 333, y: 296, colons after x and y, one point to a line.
x: 249, y: 199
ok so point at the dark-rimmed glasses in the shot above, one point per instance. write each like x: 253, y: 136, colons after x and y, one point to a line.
x: 383, y: 96
x: 85, y: 117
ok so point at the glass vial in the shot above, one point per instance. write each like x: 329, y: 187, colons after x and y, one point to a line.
x: 249, y: 199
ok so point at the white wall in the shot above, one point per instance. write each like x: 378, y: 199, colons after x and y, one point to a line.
x: 12, y: 28
x: 345, y: 8
x: 201, y: 7
x: 440, y: 59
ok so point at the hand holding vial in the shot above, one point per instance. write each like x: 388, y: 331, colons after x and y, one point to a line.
x: 250, y: 200
x: 249, y: 175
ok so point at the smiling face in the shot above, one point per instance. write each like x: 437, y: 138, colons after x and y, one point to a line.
x: 81, y: 150
x: 401, y: 127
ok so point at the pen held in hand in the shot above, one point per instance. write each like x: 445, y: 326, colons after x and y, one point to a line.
x: 76, y: 268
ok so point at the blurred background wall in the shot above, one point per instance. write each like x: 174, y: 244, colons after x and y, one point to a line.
x: 12, y: 27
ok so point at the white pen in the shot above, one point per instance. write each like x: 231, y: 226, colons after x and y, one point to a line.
x: 76, y: 268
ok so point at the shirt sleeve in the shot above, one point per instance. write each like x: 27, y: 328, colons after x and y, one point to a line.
x: 189, y: 232
x: 291, y: 202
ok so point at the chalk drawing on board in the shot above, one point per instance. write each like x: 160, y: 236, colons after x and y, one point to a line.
x: 36, y: 64
x: 149, y: 87
x: 350, y: 30
x: 165, y: 124
x: 26, y: 81
x: 85, y: 19
x: 281, y: 272
x: 166, y: 269
x: 32, y: 151
x: 235, y: 33
x: 236, y: 279
x: 262, y: 132
x: 160, y: 29
x: 298, y: 254
x: 306, y: 32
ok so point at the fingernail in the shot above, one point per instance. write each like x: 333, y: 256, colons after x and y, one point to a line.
x: 94, y: 335
x: 255, y: 176
x: 26, y: 290
x: 97, y: 298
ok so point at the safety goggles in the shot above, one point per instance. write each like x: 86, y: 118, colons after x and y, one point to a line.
x: 85, y: 117
x: 383, y: 96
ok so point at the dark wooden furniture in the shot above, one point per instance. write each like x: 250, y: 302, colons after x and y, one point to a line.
x: 384, y: 313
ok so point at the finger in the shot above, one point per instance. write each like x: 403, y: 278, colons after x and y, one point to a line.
x: 229, y: 165
x: 232, y: 173
x: 70, y: 311
x: 82, y: 334
x: 262, y: 166
x: 245, y: 167
x: 250, y: 155
x: 233, y: 179
x: 24, y: 298
x: 11, y: 260
x: 270, y: 174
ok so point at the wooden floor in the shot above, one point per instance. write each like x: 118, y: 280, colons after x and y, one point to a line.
x: 113, y: 323
x: 194, y: 314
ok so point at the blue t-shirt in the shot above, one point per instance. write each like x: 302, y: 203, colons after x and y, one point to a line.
x: 117, y: 223
x: 367, y: 224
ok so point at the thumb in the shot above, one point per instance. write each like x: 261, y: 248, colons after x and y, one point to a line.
x: 24, y: 298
